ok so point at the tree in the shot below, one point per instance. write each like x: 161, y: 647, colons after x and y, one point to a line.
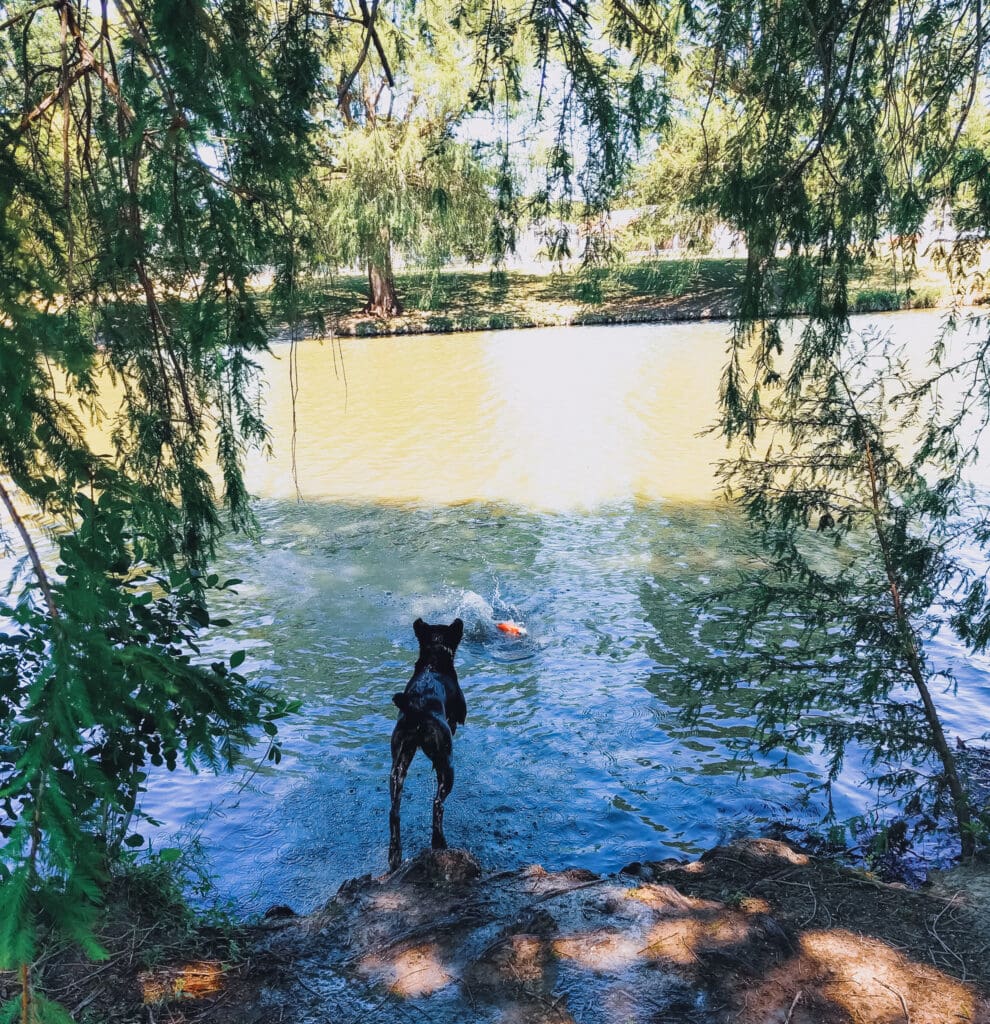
x: 394, y: 177
x: 861, y: 568
x: 143, y: 154
x: 150, y: 159
x: 846, y: 124
x: 150, y: 162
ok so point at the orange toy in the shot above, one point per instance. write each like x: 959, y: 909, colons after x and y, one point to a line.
x: 510, y: 627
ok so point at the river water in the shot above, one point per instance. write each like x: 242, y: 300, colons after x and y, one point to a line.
x: 558, y: 478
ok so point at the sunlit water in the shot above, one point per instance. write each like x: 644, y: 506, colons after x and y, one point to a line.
x: 553, y: 477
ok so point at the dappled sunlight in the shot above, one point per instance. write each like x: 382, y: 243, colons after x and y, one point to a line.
x: 390, y: 900
x: 836, y: 975
x: 864, y: 975
x: 602, y: 950
x: 411, y: 972
x: 684, y: 939
x: 730, y: 941
x: 191, y: 981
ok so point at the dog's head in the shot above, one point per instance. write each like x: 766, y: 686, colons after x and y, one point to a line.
x: 445, y: 638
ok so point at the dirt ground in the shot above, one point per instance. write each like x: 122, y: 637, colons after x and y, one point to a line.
x: 753, y: 933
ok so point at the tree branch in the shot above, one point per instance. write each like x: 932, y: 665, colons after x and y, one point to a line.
x: 25, y: 14
x: 39, y: 569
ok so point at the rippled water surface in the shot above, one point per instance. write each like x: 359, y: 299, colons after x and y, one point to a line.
x: 553, y: 477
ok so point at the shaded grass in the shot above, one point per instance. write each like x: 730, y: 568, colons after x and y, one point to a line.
x: 647, y: 291
x: 158, y: 947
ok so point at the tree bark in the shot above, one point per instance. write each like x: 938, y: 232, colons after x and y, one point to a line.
x: 383, y: 299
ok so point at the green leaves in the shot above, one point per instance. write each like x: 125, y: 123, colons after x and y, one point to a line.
x: 89, y: 700
x: 860, y: 564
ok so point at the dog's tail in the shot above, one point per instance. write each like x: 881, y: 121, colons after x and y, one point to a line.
x: 417, y: 705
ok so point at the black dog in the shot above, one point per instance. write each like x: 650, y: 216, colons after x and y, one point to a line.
x: 430, y: 709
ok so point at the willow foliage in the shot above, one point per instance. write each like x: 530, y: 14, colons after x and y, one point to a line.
x: 846, y: 135
x: 392, y: 177
x: 151, y: 154
x: 147, y: 153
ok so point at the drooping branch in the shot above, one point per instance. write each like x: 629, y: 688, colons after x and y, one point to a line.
x: 909, y: 639
x: 39, y: 570
x: 26, y: 13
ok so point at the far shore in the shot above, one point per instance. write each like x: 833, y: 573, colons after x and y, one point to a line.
x: 651, y: 291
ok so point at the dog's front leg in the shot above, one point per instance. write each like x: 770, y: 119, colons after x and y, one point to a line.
x: 445, y: 783
x: 403, y: 751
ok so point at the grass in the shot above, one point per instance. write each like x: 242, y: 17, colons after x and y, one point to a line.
x: 656, y: 290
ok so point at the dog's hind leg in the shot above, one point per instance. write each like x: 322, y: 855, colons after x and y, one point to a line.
x: 445, y: 783
x: 403, y: 751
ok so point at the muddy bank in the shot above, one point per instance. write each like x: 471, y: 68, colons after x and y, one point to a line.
x: 754, y: 933
x: 714, y: 304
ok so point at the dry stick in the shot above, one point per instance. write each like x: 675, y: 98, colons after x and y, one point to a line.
x: 790, y: 1012
x: 52, y: 98
x: 907, y: 1016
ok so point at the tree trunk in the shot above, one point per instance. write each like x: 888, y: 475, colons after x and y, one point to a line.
x: 383, y: 300
x: 960, y: 800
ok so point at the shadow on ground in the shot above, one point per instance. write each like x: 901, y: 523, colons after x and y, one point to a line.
x: 756, y: 932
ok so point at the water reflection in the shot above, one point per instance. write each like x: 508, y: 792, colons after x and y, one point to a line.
x: 545, y: 419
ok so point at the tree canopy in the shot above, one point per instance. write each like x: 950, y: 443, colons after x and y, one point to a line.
x: 392, y: 176
x: 156, y: 154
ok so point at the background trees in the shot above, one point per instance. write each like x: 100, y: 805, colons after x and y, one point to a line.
x: 393, y: 177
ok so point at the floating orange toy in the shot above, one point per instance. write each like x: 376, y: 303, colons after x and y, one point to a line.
x: 510, y: 627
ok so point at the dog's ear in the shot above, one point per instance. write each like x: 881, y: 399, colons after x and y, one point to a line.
x: 455, y: 631
x: 421, y: 630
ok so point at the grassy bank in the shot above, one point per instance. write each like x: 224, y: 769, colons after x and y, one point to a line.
x: 654, y: 291
x: 160, y: 955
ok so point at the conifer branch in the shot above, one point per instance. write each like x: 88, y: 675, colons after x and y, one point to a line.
x: 909, y: 638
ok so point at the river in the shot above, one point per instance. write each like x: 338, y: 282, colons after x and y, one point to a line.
x: 556, y: 477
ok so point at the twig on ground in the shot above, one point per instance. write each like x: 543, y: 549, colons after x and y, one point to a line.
x: 794, y: 1002
x: 904, y: 1006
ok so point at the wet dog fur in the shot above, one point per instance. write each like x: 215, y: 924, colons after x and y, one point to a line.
x: 430, y: 709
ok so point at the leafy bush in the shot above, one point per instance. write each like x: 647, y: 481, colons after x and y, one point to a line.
x: 100, y: 682
x: 875, y: 300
